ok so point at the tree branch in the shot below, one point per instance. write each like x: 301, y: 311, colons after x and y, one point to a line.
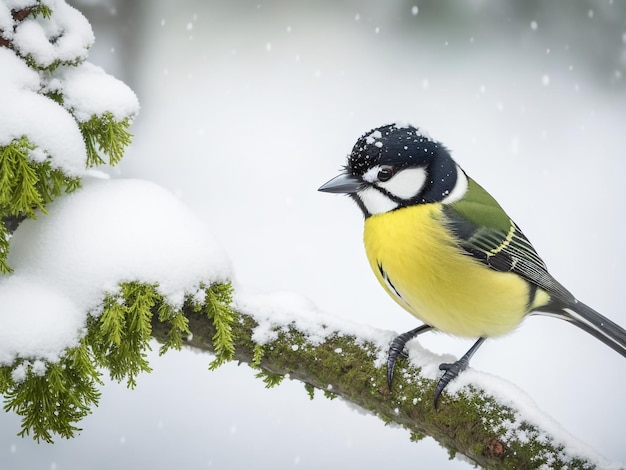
x: 472, y: 422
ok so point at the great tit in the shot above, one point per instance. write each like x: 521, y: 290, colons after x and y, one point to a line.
x: 444, y: 249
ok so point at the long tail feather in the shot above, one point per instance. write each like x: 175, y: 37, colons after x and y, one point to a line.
x: 597, y: 325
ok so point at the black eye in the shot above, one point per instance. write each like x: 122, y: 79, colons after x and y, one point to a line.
x: 385, y: 174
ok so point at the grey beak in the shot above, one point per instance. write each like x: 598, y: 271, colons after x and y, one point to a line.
x: 343, y: 183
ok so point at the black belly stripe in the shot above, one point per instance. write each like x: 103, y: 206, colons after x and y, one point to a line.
x: 388, y: 281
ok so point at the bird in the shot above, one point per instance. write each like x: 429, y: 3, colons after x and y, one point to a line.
x: 444, y: 249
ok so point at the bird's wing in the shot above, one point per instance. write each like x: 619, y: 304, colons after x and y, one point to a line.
x: 488, y: 234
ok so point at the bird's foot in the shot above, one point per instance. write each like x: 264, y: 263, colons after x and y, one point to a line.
x: 452, y: 370
x: 397, y: 349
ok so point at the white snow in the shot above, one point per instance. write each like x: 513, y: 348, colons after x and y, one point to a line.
x: 108, y: 232
x: 6, y: 21
x: 88, y: 90
x: 15, y: 73
x: 278, y: 310
x: 26, y: 113
x: 65, y: 37
x: 36, y: 320
x: 527, y: 411
x: 402, y: 124
x: 370, y: 139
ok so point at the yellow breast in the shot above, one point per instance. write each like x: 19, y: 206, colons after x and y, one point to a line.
x: 418, y: 263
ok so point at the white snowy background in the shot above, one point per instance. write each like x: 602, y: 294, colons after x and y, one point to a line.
x: 248, y: 107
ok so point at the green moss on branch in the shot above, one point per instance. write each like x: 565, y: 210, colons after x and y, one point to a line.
x: 473, y: 423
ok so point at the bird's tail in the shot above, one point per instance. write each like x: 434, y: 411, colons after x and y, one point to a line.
x: 597, y: 325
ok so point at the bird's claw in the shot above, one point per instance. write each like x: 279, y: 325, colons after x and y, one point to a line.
x: 452, y: 371
x: 397, y: 349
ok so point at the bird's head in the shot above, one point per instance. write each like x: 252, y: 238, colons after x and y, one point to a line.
x: 395, y: 166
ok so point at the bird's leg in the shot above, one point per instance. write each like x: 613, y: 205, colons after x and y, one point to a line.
x: 454, y: 369
x: 397, y: 348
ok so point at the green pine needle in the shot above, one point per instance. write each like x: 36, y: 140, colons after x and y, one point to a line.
x: 26, y: 186
x: 270, y: 379
x: 4, y: 250
x: 257, y: 355
x: 179, y: 327
x: 310, y: 390
x: 53, y: 402
x: 41, y: 9
x: 217, y: 304
x: 103, y: 135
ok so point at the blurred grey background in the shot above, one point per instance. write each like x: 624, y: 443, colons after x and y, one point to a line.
x: 249, y: 106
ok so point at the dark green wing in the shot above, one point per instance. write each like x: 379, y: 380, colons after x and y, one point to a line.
x: 488, y: 234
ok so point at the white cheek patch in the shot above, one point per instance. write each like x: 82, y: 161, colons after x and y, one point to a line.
x: 460, y: 188
x: 406, y: 184
x: 376, y: 202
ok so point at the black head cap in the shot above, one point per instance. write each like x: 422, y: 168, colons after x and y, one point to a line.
x: 398, y: 145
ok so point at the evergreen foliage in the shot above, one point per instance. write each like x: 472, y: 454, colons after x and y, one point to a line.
x: 104, y: 135
x: 29, y: 179
x: 53, y: 397
x: 27, y: 184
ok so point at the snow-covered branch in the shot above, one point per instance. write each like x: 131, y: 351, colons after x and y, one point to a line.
x: 496, y: 426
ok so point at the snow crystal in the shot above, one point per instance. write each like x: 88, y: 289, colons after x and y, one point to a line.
x: 39, y: 368
x: 19, y: 373
x: 108, y: 232
x: 402, y: 124
x: 370, y: 139
x: 419, y: 131
x: 414, y: 10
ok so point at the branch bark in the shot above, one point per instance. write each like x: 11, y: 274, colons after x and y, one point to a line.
x: 473, y: 423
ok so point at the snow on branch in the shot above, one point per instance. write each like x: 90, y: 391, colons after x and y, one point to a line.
x: 486, y: 419
x: 60, y: 115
